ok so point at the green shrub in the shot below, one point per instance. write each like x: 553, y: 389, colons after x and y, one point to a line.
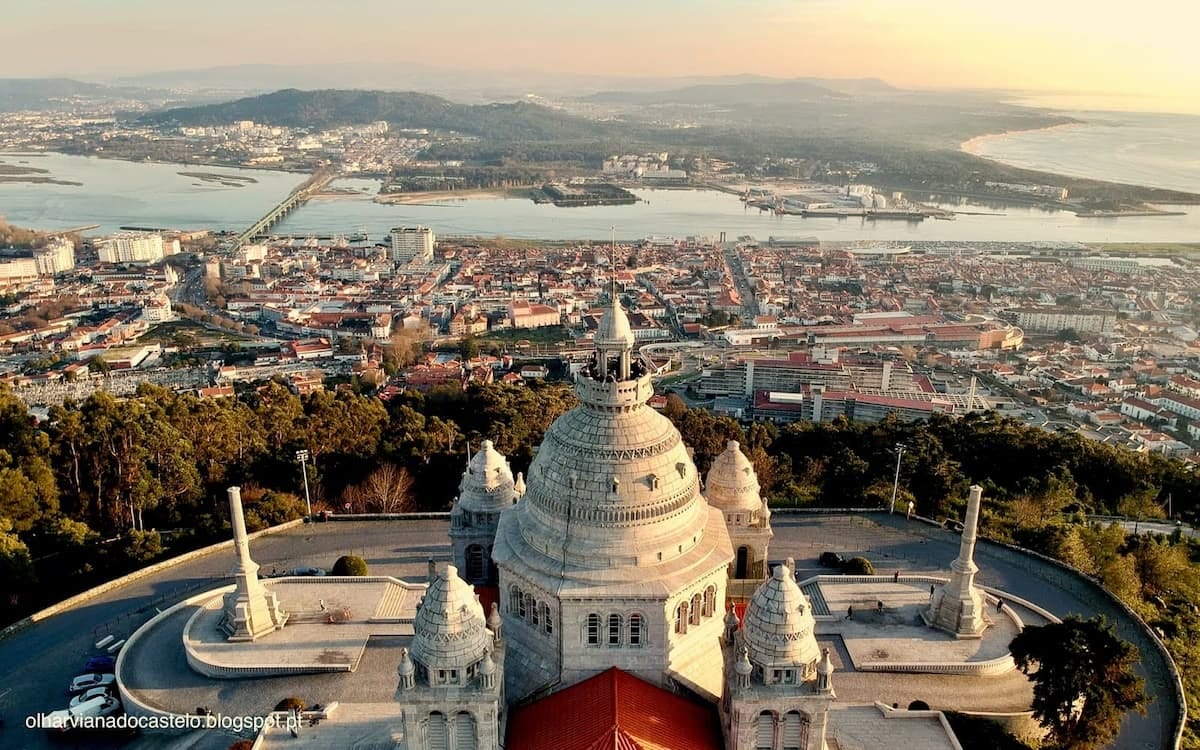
x: 349, y: 565
x: 290, y: 704
x: 858, y: 566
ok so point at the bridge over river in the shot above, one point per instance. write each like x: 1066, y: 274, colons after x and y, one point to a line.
x: 310, y: 187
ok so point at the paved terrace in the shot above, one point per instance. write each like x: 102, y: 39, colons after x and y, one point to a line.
x: 55, y: 649
x: 329, y: 623
x: 898, y: 634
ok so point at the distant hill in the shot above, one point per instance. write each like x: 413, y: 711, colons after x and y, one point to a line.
x: 721, y: 94
x: 334, y: 107
x: 44, y: 93
x: 50, y: 94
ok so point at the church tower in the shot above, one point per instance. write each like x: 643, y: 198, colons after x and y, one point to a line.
x: 732, y: 488
x: 778, y: 684
x: 612, y: 558
x: 451, y: 681
x: 487, y: 487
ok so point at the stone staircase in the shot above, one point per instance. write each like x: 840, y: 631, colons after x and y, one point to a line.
x: 816, y: 598
x: 391, y: 604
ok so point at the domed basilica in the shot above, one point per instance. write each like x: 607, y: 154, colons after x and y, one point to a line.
x: 610, y: 566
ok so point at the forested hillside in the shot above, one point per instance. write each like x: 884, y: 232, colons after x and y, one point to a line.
x: 91, y: 492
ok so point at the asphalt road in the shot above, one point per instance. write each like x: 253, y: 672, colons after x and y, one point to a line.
x: 40, y: 661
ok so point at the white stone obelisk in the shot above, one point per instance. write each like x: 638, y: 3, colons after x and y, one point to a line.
x: 957, y: 607
x: 250, y: 610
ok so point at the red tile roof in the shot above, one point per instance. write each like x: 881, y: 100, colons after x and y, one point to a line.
x: 614, y: 711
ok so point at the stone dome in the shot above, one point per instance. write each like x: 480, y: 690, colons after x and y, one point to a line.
x: 777, y: 628
x: 612, y: 487
x: 614, y: 328
x: 613, y: 478
x: 487, y: 485
x: 731, y: 484
x: 450, y: 631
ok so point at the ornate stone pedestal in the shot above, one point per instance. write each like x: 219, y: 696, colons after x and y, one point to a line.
x: 250, y: 611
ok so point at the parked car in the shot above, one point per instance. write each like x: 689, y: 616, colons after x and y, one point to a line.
x: 61, y: 720
x: 308, y: 572
x: 830, y: 560
x: 101, y: 664
x: 88, y: 681
x: 87, y: 695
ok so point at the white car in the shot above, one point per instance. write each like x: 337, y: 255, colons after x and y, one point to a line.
x: 65, y: 719
x: 88, y: 681
x: 96, y: 692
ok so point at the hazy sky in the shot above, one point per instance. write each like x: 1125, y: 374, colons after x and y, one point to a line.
x: 1145, y: 48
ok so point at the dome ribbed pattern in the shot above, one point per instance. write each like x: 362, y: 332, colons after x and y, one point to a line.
x: 450, y: 630
x: 487, y: 485
x: 731, y: 484
x: 618, y: 474
x: 778, y: 625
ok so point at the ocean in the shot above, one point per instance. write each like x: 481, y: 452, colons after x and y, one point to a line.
x: 1156, y: 150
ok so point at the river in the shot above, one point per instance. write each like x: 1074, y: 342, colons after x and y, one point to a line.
x: 118, y: 193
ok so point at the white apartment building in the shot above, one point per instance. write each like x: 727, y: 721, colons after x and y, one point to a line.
x: 412, y: 244
x: 56, y: 257
x: 1083, y: 321
x: 18, y: 271
x: 130, y: 247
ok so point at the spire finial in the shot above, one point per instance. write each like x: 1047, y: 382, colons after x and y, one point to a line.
x: 612, y: 263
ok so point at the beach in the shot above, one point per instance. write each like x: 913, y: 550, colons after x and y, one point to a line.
x: 1155, y: 150
x: 976, y: 146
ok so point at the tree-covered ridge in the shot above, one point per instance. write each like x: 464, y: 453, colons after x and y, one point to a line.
x: 503, y: 122
x: 1021, y: 468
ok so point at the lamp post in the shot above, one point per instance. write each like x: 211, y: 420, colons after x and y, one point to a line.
x: 896, y: 481
x: 302, y: 457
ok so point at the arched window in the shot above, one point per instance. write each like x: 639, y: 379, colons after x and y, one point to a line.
x: 514, y: 599
x: 522, y: 602
x: 636, y: 625
x: 710, y: 601
x: 535, y: 614
x: 742, y: 566
x: 795, y: 731
x: 547, y: 623
x: 764, y: 731
x: 464, y: 731
x: 681, y: 617
x: 437, y: 732
x: 593, y: 630
x: 614, y: 630
x: 476, y: 564
x: 528, y: 609
x: 695, y: 610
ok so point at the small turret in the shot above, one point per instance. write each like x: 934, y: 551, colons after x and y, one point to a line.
x: 743, y: 668
x: 731, y: 625
x: 407, y: 671
x: 487, y: 672
x: 495, y: 623
x: 825, y: 673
